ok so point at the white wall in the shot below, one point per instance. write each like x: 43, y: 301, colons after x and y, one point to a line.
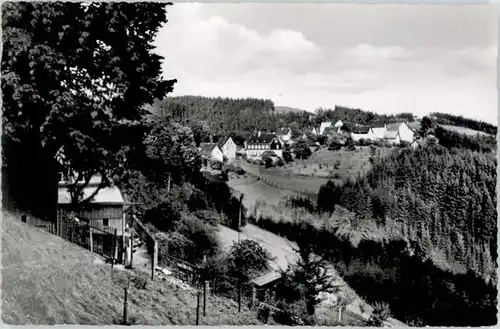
x: 405, y: 133
x: 217, y: 155
x: 229, y: 149
x: 357, y: 137
x: 377, y: 133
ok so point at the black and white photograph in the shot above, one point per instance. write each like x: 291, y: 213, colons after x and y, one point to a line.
x: 249, y: 163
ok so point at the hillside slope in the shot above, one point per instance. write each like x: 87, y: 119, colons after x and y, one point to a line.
x: 47, y: 280
x: 287, y: 109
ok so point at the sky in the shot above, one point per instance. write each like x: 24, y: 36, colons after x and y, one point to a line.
x: 380, y: 58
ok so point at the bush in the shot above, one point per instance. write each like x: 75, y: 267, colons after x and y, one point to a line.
x: 216, y: 165
x: 268, y: 162
x: 164, y: 215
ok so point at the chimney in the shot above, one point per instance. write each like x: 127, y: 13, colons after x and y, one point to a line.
x: 259, y: 133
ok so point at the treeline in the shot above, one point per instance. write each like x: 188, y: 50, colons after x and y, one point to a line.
x: 444, y: 199
x: 347, y: 114
x: 222, y: 114
x: 393, y: 271
x: 479, y: 143
x: 450, y: 119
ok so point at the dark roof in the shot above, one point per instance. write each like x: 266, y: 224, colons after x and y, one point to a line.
x: 361, y: 130
x: 377, y: 125
x: 207, y: 148
x: 222, y: 141
x: 393, y: 126
x: 266, y: 278
x: 262, y: 139
x: 414, y: 125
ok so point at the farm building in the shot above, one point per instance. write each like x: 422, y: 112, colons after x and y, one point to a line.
x: 314, y: 131
x: 228, y: 148
x: 392, y: 137
x: 338, y: 125
x: 211, y: 152
x: 406, y: 133
x: 106, y: 209
x: 359, y: 133
x: 284, y: 134
x: 377, y: 132
x: 264, y: 285
x: 261, y: 143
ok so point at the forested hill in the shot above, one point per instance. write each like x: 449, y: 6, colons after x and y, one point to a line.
x: 449, y: 119
x: 443, y: 199
x: 222, y: 114
x: 347, y: 114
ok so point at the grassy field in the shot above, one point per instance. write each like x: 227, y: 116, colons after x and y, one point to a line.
x: 47, y: 280
x: 255, y: 190
x: 338, y: 165
x: 463, y: 130
x: 322, y: 166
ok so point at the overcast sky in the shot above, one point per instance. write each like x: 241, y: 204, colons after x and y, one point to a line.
x: 381, y: 58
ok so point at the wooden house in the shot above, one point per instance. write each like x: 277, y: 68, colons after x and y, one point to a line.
x: 105, y: 210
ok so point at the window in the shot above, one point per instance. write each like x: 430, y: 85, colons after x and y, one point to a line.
x: 105, y: 222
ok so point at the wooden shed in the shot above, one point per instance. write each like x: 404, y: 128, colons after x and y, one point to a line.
x: 106, y: 209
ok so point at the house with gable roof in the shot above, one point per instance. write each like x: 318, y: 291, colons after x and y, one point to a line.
x: 260, y: 143
x: 407, y: 131
x: 228, y: 148
x: 210, y: 152
x: 360, y: 132
x: 377, y: 132
x: 284, y: 134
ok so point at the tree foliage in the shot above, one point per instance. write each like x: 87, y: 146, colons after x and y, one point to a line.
x: 171, y: 150
x: 75, y: 77
x: 247, y: 259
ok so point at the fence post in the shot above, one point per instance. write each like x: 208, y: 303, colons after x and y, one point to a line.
x: 73, y: 231
x: 125, y: 307
x: 198, y: 308
x: 113, y: 249
x: 239, y: 296
x: 91, y: 241
x: 205, y: 296
x: 131, y: 248
x: 155, y: 260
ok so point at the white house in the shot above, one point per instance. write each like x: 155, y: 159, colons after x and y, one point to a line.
x: 211, y: 152
x: 407, y: 131
x: 284, y: 134
x: 377, y: 132
x: 323, y: 126
x: 392, y: 137
x: 260, y: 143
x: 228, y: 148
x: 359, y: 133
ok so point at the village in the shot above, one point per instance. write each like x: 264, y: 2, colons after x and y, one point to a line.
x: 181, y: 165
x: 261, y: 145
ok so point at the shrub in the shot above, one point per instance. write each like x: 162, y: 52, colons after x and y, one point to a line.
x: 216, y: 165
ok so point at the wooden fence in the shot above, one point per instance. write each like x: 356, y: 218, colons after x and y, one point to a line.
x: 101, y: 240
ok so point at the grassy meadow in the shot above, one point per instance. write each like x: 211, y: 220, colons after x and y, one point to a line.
x: 47, y: 281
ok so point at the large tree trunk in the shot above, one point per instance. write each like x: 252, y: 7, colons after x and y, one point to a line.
x: 29, y: 180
